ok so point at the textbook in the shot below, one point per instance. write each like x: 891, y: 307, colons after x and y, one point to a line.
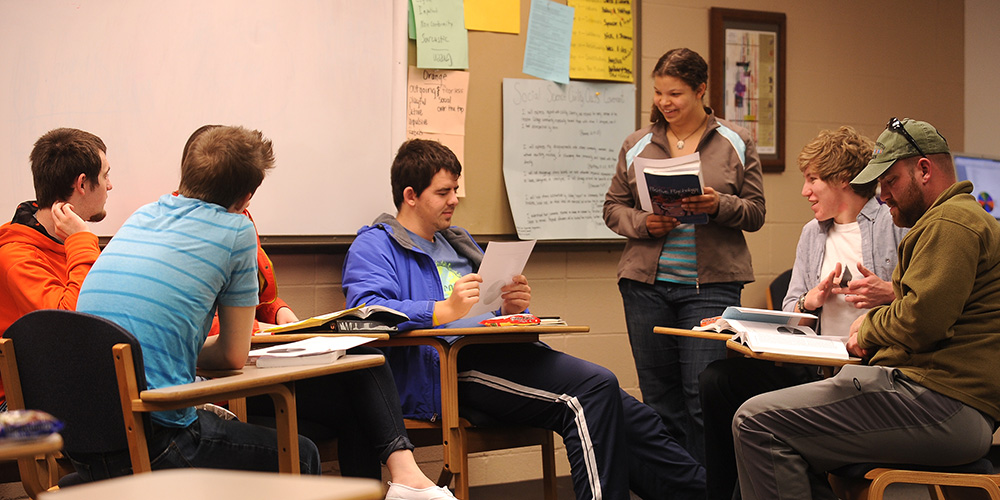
x: 311, y: 351
x: 373, y: 318
x: 664, y: 182
x: 778, y: 332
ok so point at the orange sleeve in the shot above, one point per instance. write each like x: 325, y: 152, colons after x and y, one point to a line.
x: 40, y: 280
x: 267, y: 313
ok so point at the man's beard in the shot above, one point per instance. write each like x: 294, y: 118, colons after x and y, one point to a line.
x: 912, y: 208
x: 98, y: 217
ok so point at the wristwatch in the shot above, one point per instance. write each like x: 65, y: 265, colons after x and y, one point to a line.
x: 802, y: 305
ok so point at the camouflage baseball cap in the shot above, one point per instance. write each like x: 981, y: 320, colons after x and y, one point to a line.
x: 894, y: 144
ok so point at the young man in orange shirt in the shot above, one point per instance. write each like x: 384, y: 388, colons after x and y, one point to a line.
x: 47, y: 248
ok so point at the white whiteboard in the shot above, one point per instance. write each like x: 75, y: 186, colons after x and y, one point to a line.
x: 323, y: 79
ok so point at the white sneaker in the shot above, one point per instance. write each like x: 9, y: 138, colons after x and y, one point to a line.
x: 223, y: 413
x: 401, y: 492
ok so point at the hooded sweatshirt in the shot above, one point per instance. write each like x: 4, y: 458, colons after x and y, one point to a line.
x: 38, y: 271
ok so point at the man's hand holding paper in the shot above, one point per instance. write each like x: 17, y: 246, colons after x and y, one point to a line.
x: 516, y: 296
x: 503, y: 286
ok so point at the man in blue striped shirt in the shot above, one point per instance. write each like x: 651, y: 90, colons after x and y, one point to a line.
x: 162, y: 277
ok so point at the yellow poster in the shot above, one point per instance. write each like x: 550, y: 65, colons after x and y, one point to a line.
x: 603, y: 40
x: 502, y: 16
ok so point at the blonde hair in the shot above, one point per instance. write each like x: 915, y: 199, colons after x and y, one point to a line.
x: 838, y: 156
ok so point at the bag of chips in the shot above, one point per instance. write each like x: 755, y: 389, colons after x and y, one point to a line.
x: 511, y: 320
x: 24, y: 424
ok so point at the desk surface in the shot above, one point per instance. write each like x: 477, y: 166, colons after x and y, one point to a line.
x: 426, y: 332
x: 11, y: 449
x: 681, y: 332
x: 744, y: 350
x: 251, y: 376
x: 491, y: 330
x: 214, y: 484
x: 281, y: 338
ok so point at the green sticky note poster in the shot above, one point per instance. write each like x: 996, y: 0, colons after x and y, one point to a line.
x: 442, y: 40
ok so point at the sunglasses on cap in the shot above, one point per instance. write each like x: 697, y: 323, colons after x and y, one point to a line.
x: 897, y: 126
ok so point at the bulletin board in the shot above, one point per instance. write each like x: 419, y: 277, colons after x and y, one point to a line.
x: 485, y: 210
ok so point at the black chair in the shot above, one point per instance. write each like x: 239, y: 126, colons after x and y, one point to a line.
x: 64, y: 365
x: 777, y: 290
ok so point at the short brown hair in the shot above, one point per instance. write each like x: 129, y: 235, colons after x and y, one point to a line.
x: 683, y: 64
x: 224, y: 164
x: 194, y: 135
x: 59, y: 157
x: 417, y: 162
x: 839, y: 156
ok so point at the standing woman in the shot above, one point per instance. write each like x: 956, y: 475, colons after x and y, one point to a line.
x: 673, y: 274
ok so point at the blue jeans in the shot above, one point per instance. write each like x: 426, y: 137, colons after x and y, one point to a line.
x: 668, y: 366
x: 360, y: 408
x: 209, y: 442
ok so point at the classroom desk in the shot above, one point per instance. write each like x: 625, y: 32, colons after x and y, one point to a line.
x: 12, y: 449
x: 214, y: 484
x: 279, y: 383
x: 828, y: 364
x: 282, y: 338
x: 680, y: 332
x: 448, y: 354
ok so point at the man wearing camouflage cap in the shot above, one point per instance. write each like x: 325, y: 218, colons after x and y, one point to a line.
x: 930, y: 394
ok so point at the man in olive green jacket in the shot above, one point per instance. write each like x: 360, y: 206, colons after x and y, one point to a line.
x: 930, y: 393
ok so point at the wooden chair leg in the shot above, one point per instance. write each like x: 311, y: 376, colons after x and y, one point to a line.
x: 128, y: 393
x: 239, y: 408
x: 31, y: 476
x: 462, y: 476
x: 549, y: 467
x: 287, y: 426
x: 444, y: 479
x: 935, y: 492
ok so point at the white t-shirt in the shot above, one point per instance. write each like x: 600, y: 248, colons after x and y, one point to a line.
x: 843, y: 244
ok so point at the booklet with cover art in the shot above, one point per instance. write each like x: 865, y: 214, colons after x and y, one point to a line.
x: 663, y: 183
x: 364, y: 318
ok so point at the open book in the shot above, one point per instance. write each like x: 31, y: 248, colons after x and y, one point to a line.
x: 662, y: 184
x: 778, y: 332
x: 311, y: 351
x: 373, y: 318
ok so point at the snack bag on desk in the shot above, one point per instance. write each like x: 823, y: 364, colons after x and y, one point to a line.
x: 512, y: 320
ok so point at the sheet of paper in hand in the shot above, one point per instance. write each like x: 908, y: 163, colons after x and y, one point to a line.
x: 503, y: 261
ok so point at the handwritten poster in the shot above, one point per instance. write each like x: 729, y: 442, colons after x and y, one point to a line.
x: 603, y: 39
x: 435, y: 109
x: 546, y: 48
x: 560, y: 148
x: 442, y: 40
